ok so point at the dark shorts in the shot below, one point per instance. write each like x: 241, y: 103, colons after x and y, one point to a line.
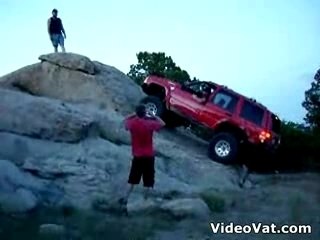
x: 142, y: 167
x: 57, y: 39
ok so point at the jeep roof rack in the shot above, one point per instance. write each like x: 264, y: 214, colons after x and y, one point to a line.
x: 258, y: 103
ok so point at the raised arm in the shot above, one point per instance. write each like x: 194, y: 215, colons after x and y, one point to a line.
x: 162, y: 123
x: 156, y: 123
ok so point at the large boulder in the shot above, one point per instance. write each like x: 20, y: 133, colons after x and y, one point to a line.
x: 96, y: 167
x: 52, y: 229
x: 93, y: 166
x: 15, y: 149
x: 19, y: 201
x: 62, y: 76
x: 65, y: 125
x: 42, y: 118
x: 21, y: 192
x: 178, y: 207
x: 70, y: 61
x: 187, y: 207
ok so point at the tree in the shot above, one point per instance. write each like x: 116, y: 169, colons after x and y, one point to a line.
x: 312, y: 103
x: 157, y: 64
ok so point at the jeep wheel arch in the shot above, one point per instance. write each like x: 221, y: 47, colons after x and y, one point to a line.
x: 154, y: 90
x: 231, y: 128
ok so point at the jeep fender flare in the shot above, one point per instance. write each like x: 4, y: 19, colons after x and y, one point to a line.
x: 225, y: 125
x: 155, y: 90
x: 160, y: 91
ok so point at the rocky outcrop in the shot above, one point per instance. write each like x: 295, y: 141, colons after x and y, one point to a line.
x: 95, y: 166
x: 39, y: 117
x: 52, y: 229
x: 72, y: 61
x: 21, y: 192
x: 182, y: 208
x: 63, y: 124
x: 69, y: 77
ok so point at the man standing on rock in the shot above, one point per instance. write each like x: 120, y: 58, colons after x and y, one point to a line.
x: 56, y: 31
x: 141, y: 129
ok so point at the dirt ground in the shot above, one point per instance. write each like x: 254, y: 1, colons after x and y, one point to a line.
x: 290, y: 199
x: 270, y: 197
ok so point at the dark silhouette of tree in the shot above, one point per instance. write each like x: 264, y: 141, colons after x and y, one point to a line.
x: 312, y: 103
x: 157, y: 64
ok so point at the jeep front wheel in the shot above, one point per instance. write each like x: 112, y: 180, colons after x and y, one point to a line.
x: 223, y: 148
x: 154, y: 106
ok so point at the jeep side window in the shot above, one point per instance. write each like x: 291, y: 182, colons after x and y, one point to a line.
x: 192, y: 87
x: 225, y: 100
x: 252, y: 113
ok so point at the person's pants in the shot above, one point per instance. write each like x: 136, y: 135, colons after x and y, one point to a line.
x: 142, y: 167
x: 57, y: 39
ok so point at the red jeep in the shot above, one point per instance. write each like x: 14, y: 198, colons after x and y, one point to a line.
x: 232, y: 119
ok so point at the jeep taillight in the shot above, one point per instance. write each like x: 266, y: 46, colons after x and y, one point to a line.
x: 264, y: 136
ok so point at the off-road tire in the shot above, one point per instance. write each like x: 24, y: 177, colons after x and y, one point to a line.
x: 226, y: 139
x: 157, y: 102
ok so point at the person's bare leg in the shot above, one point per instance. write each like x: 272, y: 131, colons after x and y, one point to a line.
x: 129, y: 191
x: 61, y: 43
x: 55, y: 49
x: 244, y: 174
x: 124, y: 200
x: 146, y: 193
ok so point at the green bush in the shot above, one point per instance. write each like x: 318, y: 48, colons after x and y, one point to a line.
x: 299, y: 147
x: 215, y: 202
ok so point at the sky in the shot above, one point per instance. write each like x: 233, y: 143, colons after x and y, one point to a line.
x: 264, y: 49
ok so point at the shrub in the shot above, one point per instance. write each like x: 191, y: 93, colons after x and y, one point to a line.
x: 299, y: 148
x: 215, y: 202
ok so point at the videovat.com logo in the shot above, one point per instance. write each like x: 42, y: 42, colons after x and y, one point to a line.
x: 258, y: 228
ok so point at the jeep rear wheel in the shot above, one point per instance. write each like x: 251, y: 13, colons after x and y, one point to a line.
x: 154, y: 106
x: 223, y: 148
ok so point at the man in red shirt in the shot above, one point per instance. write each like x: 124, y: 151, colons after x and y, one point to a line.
x: 141, y: 128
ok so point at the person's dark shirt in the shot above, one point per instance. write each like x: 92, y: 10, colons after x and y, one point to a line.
x: 55, y: 25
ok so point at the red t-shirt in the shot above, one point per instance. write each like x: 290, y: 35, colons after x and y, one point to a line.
x: 142, y: 135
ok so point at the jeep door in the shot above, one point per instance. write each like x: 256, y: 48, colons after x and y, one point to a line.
x: 182, y: 101
x: 220, y: 107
